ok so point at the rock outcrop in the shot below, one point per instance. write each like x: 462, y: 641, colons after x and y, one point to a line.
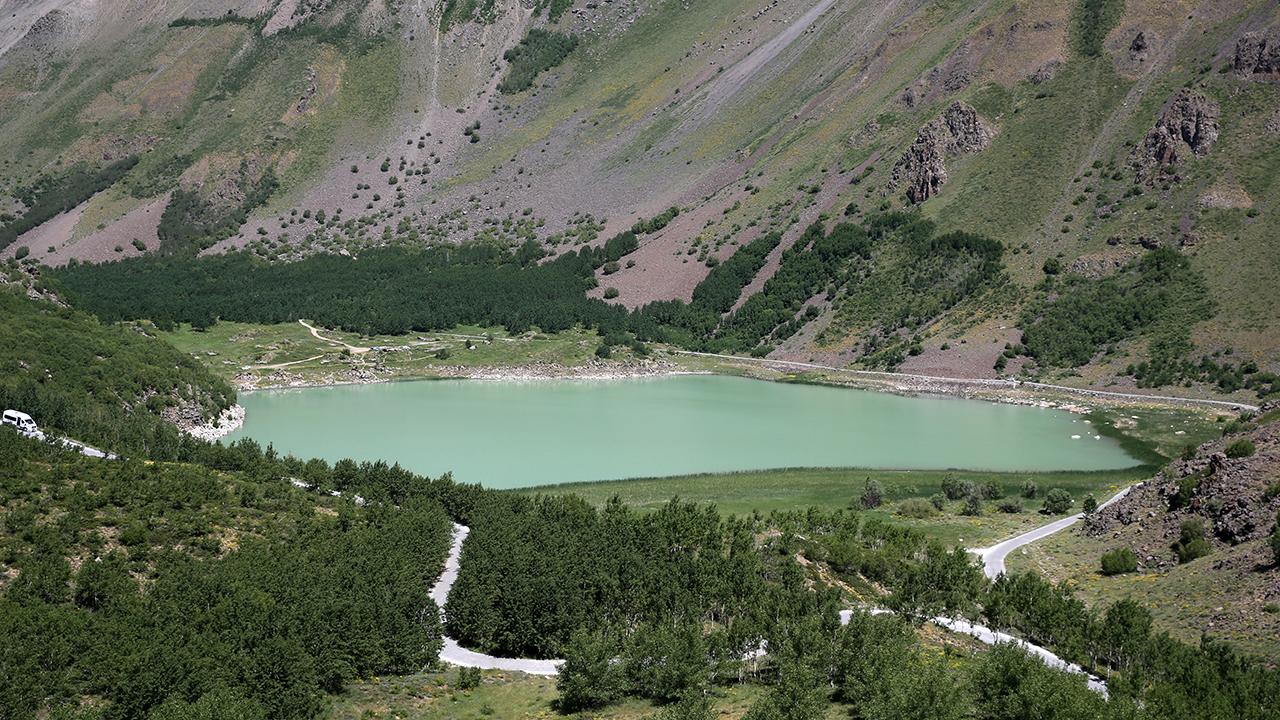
x: 1187, y: 126
x: 1234, y: 498
x: 922, y: 168
x: 1139, y: 48
x: 1258, y: 54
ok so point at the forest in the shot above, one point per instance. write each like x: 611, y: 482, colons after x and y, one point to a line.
x: 102, y: 384
x: 189, y: 591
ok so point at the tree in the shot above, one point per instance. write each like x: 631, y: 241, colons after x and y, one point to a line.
x: 1090, y: 505
x: 588, y: 678
x: 1012, y: 685
x: 797, y: 696
x: 1123, y: 635
x: 973, y: 505
x: 955, y: 488
x: 868, y: 649
x: 693, y: 706
x: 944, y: 581
x: 919, y: 689
x: 1056, y: 502
x: 872, y: 494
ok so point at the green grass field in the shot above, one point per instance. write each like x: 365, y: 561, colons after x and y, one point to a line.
x: 830, y: 488
x: 231, y: 349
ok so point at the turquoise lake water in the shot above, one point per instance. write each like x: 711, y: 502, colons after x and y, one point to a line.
x: 506, y: 434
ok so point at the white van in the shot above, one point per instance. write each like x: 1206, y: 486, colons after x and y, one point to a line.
x: 22, y: 422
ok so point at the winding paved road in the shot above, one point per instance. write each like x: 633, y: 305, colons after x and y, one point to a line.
x: 993, y: 557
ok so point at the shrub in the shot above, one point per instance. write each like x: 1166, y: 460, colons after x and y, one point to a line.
x: 916, y: 508
x: 468, y: 678
x: 1056, y: 502
x: 1011, y: 506
x: 1187, y: 487
x: 938, y: 501
x: 973, y: 505
x: 955, y: 488
x: 443, y: 354
x: 611, y: 267
x: 991, y: 490
x: 1052, y: 266
x: 1090, y: 504
x: 872, y: 494
x: 21, y: 252
x: 610, y: 293
x: 1119, y: 561
x: 1241, y: 448
x: 1191, y: 542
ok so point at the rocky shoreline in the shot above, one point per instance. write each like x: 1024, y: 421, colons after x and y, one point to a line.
x: 227, y: 422
x: 592, y: 370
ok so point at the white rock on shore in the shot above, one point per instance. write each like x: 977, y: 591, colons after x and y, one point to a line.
x: 227, y: 422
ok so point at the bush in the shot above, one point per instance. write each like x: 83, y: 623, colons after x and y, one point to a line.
x: 1052, y: 266
x: 916, y: 508
x: 1056, y: 502
x: 1191, y: 542
x: 991, y: 490
x: 973, y: 505
x: 468, y: 678
x: 1090, y: 504
x: 1119, y: 561
x: 955, y: 488
x: 1011, y: 506
x: 1241, y: 448
x: 938, y: 501
x: 1030, y: 489
x: 610, y: 293
x: 872, y: 494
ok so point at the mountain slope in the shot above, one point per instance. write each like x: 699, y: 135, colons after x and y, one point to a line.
x: 1077, y: 135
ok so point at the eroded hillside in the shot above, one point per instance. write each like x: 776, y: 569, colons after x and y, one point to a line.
x: 1121, y: 155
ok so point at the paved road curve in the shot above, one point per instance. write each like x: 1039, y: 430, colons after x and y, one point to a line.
x: 993, y: 557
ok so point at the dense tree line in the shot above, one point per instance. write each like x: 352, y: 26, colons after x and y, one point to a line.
x: 539, y: 51
x: 100, y: 384
x: 59, y: 193
x: 174, y: 591
x: 384, y: 291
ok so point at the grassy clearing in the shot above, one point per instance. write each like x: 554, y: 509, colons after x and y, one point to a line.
x: 799, y: 488
x: 435, y: 696
x: 230, y: 348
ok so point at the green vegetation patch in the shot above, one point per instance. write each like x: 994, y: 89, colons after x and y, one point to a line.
x: 1091, y: 22
x: 539, y: 51
x: 98, y: 383
x: 59, y: 193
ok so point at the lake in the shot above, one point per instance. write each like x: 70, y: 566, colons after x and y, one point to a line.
x: 506, y: 434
